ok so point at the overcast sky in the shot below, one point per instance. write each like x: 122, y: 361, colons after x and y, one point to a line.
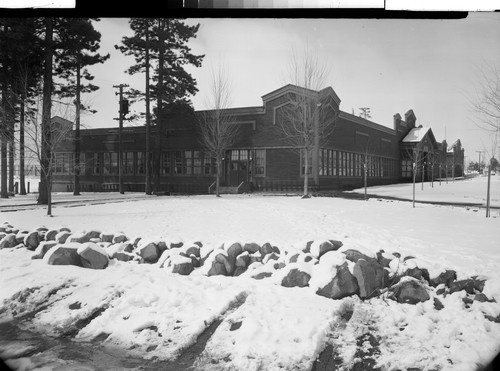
x: 389, y: 65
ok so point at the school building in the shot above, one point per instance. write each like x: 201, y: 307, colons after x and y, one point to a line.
x: 261, y: 159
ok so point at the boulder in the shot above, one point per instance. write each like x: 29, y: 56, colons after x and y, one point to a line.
x: 122, y: 256
x: 181, y: 265
x: 65, y: 229
x: 149, y: 253
x: 65, y: 255
x: 276, y: 250
x: 193, y: 250
x: 251, y: 247
x: 32, y: 240
x: 176, y: 245
x: 93, y: 256
x: 268, y: 257
x: 8, y: 241
x: 294, y: 258
x: 418, y: 273
x: 20, y: 237
x: 296, y: 278
x: 446, y: 277
x: 355, y: 255
x: 120, y: 237
x: 342, y: 285
x: 91, y: 235
x: 307, y: 248
x: 478, y: 283
x: 466, y: 285
x: 106, y: 237
x: 62, y: 236
x: 279, y: 265
x: 243, y: 260
x: 322, y: 248
x: 42, y: 249
x: 50, y: 235
x: 229, y: 263
x: 383, y: 260
x: 217, y: 269
x: 266, y: 249
x: 262, y: 275
x: 234, y: 250
x: 437, y: 304
x: 410, y: 291
x: 371, y: 277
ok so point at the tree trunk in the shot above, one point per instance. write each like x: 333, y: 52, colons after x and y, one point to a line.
x: 43, y: 196
x: 159, y: 116
x: 306, y: 174
x: 414, y: 180
x: 22, y: 176
x: 12, y: 146
x: 76, y: 190
x: 488, y: 192
x: 148, y: 120
x: 3, y: 149
x: 365, y: 180
x: 217, y: 179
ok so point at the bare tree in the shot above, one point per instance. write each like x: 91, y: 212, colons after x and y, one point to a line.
x: 365, y: 162
x: 217, y: 127
x: 305, y: 119
x: 491, y: 155
x: 416, y: 158
x: 485, y: 104
x: 365, y: 112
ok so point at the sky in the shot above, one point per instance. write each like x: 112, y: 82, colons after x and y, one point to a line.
x: 389, y: 65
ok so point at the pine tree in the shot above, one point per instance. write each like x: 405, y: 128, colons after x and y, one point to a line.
x: 81, y: 42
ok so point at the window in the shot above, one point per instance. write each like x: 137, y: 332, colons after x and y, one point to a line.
x: 166, y: 164
x: 197, y: 162
x: 188, y: 162
x: 96, y: 164
x: 208, y: 164
x: 177, y: 162
x: 140, y: 162
x: 406, y: 168
x: 128, y: 162
x: 334, y: 163
x: 110, y: 163
x: 260, y: 162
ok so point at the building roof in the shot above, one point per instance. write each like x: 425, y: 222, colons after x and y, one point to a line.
x: 415, y: 135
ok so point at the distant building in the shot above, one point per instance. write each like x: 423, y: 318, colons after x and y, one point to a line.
x: 261, y: 159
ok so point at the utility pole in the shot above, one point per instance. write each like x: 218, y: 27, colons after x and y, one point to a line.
x: 479, y: 161
x: 122, y: 111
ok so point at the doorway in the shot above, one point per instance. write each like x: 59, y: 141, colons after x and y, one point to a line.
x: 238, y: 167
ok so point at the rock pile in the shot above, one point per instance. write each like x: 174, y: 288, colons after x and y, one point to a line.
x: 321, y: 265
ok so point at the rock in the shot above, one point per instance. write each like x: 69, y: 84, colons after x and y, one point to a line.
x: 176, y: 245
x: 193, y: 250
x: 8, y: 241
x: 410, y: 291
x: 296, y: 278
x: 355, y: 255
x: 397, y: 255
x: 251, y: 247
x: 122, y: 256
x: 324, y: 247
x: 65, y: 255
x: 106, y: 237
x: 262, y: 275
x: 371, y: 277
x: 307, y: 248
x: 383, y: 260
x: 482, y: 298
x: 418, y: 273
x: 268, y: 257
x: 466, y: 285
x: 276, y: 250
x: 243, y: 260
x: 93, y: 256
x: 408, y: 258
x: 92, y: 234
x: 77, y: 238
x: 181, y: 265
x: 20, y: 237
x: 120, y: 237
x: 149, y: 253
x: 279, y: 265
x: 51, y: 235
x: 293, y: 258
x: 446, y: 277
x: 217, y: 269
x: 437, y: 304
x: 43, y: 248
x: 266, y: 249
x: 229, y: 262
x: 234, y: 250
x: 62, y: 236
x: 478, y: 284
x: 65, y: 229
x: 342, y: 285
x: 32, y: 240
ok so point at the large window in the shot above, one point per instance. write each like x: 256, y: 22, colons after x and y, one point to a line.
x: 140, y: 164
x: 406, y: 168
x: 208, y: 164
x: 110, y: 163
x: 166, y: 163
x: 177, y: 162
x: 128, y: 162
x: 96, y: 164
x: 63, y: 163
x: 260, y: 162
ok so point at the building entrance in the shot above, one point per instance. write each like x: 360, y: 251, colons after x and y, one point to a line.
x: 238, y: 167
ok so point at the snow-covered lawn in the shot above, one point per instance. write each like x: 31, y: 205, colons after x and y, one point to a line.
x: 153, y: 313
x: 467, y: 191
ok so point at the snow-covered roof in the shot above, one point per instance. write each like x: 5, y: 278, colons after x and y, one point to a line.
x: 416, y: 134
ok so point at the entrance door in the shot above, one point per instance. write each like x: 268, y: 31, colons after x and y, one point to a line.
x: 238, y: 167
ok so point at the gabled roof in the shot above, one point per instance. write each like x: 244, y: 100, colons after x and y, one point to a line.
x: 290, y: 88
x: 457, y: 143
x: 416, y: 135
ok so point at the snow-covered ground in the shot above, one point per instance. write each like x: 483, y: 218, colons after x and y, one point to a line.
x: 153, y: 313
x: 467, y: 191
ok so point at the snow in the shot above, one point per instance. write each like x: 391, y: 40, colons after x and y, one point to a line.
x: 141, y: 306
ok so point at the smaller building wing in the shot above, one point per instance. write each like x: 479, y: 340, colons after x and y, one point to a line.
x: 415, y: 135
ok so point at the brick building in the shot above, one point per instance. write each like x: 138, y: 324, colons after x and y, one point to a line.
x: 261, y: 159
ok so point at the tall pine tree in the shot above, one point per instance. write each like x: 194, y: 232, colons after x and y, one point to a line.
x: 161, y: 44
x: 81, y: 43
